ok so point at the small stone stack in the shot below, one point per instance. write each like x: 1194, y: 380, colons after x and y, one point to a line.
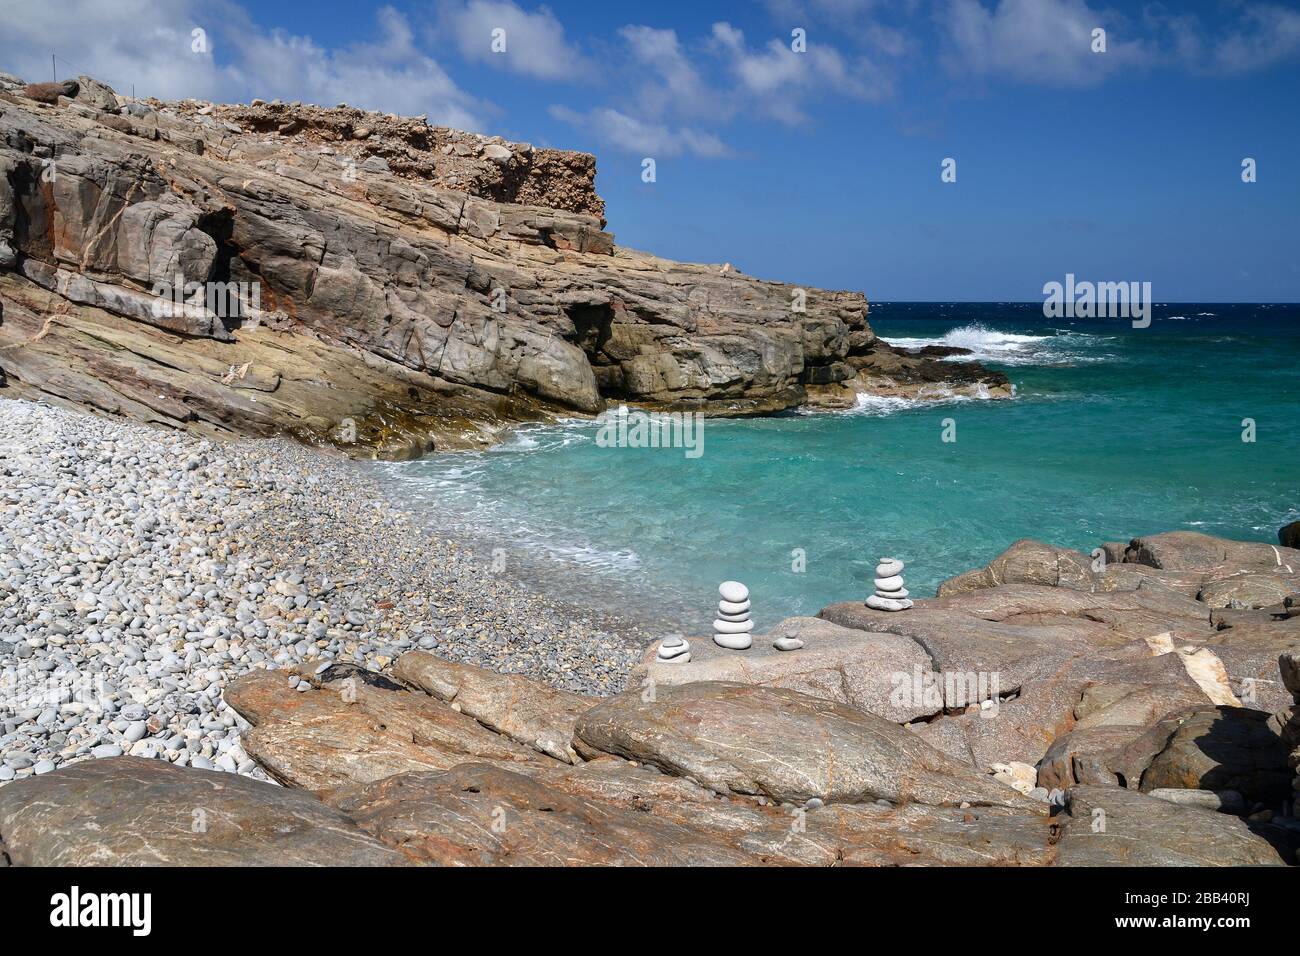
x: 890, y: 594
x: 732, y: 627
x: 674, y: 649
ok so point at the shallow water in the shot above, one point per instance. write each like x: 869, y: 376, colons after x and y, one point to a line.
x: 1114, y: 432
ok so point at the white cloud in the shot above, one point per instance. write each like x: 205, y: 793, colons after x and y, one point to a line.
x: 241, y: 60
x: 1042, y: 41
x: 646, y: 138
x: 780, y: 79
x: 89, y: 37
x: 1266, y: 35
x: 535, y: 43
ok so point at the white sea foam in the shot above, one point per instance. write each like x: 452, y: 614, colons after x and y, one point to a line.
x: 1012, y: 348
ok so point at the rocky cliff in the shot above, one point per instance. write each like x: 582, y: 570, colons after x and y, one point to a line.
x: 375, y: 282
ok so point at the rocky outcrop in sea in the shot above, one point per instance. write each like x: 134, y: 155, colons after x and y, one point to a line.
x: 373, y: 282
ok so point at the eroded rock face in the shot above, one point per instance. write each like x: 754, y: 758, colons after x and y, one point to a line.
x: 125, y: 811
x: 736, y: 738
x: 435, y: 280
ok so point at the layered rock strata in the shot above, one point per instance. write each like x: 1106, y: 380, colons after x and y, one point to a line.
x: 373, y: 282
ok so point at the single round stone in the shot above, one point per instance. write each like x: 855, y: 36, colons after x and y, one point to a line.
x: 733, y: 591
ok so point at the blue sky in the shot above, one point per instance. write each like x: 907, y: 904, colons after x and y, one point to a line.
x: 822, y: 167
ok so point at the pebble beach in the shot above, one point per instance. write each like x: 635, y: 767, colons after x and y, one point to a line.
x: 141, y: 570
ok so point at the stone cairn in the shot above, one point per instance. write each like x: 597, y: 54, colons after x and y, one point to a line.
x: 674, y: 649
x: 890, y: 594
x: 732, y: 627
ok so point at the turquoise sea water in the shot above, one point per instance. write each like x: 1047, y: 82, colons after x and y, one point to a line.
x: 1114, y: 432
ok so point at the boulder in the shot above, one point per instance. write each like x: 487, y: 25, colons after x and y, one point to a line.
x: 1289, y: 535
x: 1110, y: 826
x: 1027, y: 562
x: 524, y: 710
x: 96, y: 95
x: 357, y: 727
x: 1261, y: 589
x: 1193, y: 551
x: 783, y: 745
x: 1224, y: 748
x: 125, y: 811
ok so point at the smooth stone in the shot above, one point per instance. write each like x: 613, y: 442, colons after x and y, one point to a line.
x: 733, y: 617
x: 733, y: 591
x: 733, y: 607
x: 787, y: 643
x: 734, y: 642
x: 888, y: 567
x: 894, y: 583
x: 674, y: 650
x: 733, y: 627
x: 892, y: 595
x: 885, y: 604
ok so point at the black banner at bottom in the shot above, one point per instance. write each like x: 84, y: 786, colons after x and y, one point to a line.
x: 145, y: 907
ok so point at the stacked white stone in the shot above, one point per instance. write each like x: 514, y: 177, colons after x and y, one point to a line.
x: 732, y: 627
x: 674, y: 650
x: 890, y: 594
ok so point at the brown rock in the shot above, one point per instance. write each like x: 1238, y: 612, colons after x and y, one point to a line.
x: 1109, y: 826
x: 524, y: 710
x: 124, y: 811
x: 1224, y: 748
x: 476, y: 815
x: 734, y: 738
x: 356, y: 729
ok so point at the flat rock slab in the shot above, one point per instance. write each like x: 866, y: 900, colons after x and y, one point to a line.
x: 357, y: 730
x: 477, y: 815
x: 739, y: 739
x: 526, y: 711
x: 862, y: 670
x: 1110, y: 826
x: 125, y: 811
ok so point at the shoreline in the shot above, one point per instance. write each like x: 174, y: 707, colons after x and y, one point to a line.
x: 198, y: 561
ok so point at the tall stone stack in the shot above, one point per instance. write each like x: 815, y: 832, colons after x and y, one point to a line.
x: 732, y: 627
x: 890, y: 594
